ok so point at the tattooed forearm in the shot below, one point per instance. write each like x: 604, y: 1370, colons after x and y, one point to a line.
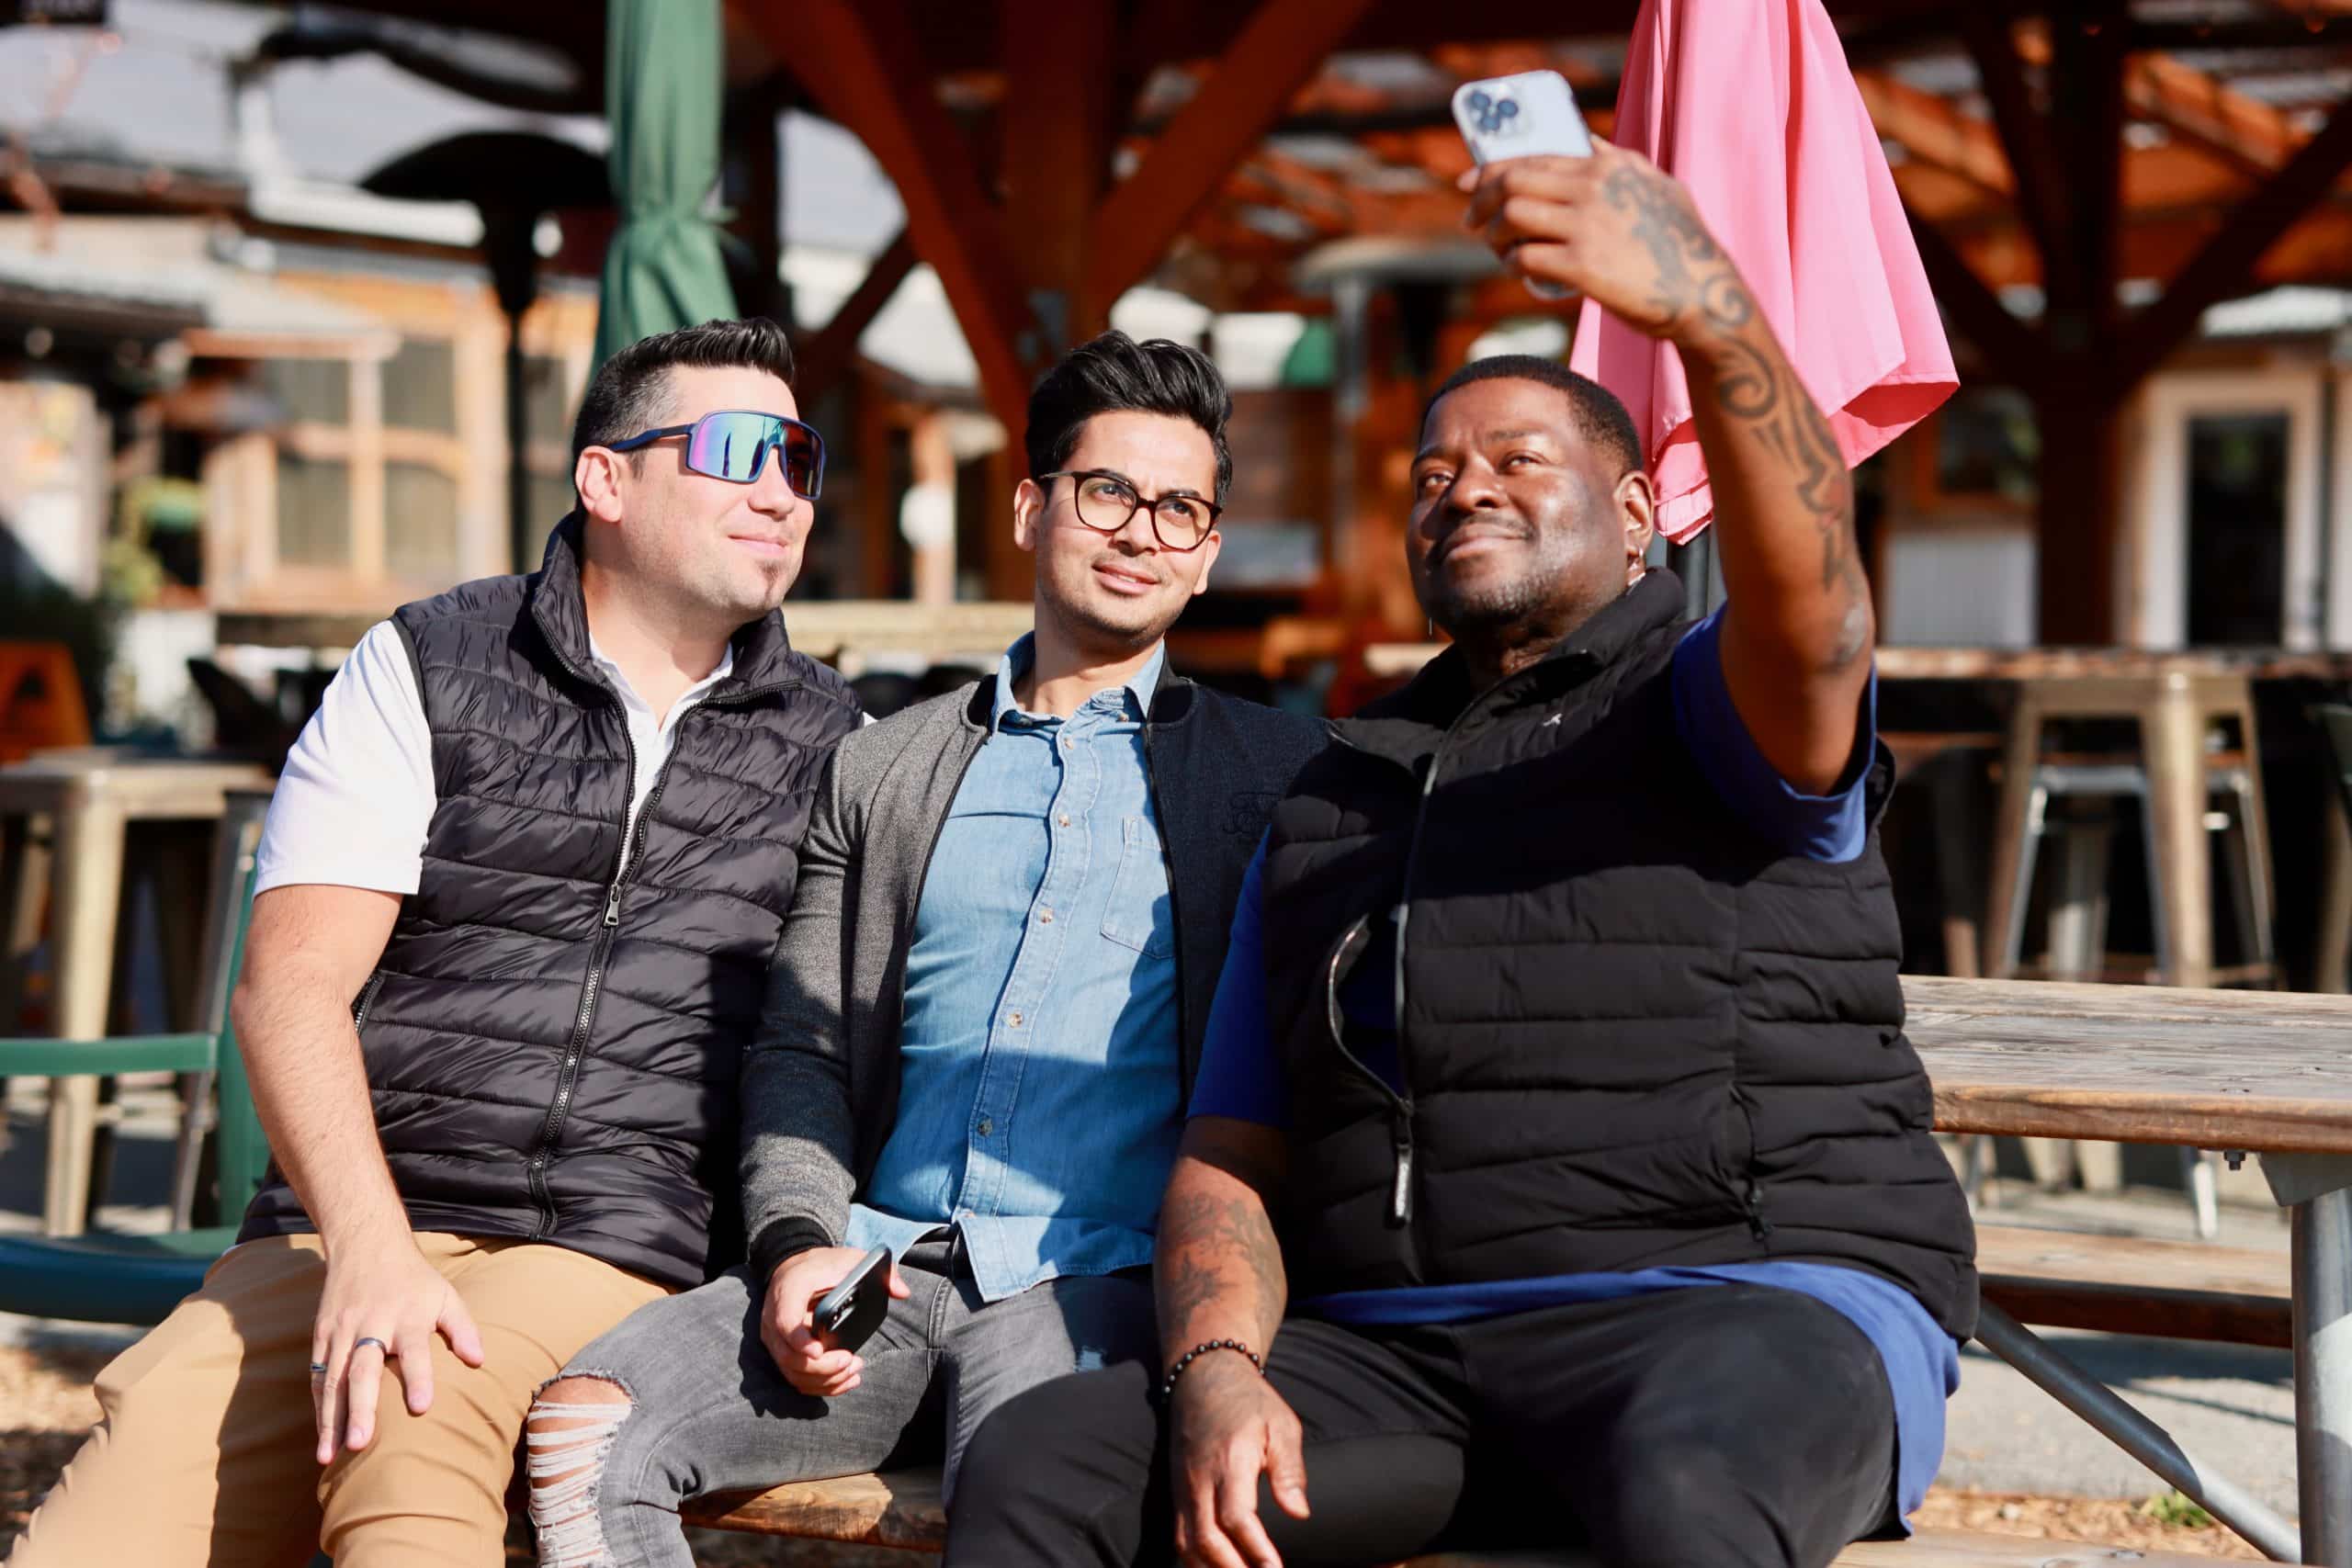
x: 1218, y: 1272
x: 1686, y: 262
x: 1759, y: 389
x: 1217, y: 1250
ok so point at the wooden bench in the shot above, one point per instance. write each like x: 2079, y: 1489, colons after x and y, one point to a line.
x: 2267, y: 1073
x: 902, y: 1509
x: 2055, y: 1278
x: 2177, y: 1290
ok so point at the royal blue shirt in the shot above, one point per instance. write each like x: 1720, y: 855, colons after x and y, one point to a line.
x: 1041, y: 1094
x: 1240, y: 1077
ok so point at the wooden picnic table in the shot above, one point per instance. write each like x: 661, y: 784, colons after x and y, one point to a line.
x: 2265, y: 1072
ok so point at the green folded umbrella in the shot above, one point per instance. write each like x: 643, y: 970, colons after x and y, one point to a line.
x: 662, y: 90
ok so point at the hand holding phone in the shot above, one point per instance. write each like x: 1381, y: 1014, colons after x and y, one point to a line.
x: 853, y: 1310
x: 1531, y: 115
x: 820, y: 1305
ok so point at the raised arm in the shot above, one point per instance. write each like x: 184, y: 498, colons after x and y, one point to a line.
x: 1797, y: 633
x: 309, y: 954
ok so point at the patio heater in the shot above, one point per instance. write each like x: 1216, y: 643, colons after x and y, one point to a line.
x: 512, y: 180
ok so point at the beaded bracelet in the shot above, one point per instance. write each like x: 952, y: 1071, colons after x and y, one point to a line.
x: 1168, y: 1387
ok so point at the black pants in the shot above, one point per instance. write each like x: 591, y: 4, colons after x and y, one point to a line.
x: 1715, y: 1426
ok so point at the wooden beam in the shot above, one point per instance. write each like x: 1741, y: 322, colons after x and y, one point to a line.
x: 2244, y: 131
x: 2025, y: 136
x: 855, y: 58
x: 825, y: 358
x: 2014, y: 349
x: 2086, y: 85
x: 1931, y: 130
x: 2251, y: 33
x: 1283, y: 45
x: 2225, y: 265
x: 1056, y: 127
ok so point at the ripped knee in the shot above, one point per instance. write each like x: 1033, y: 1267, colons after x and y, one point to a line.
x: 567, y: 1436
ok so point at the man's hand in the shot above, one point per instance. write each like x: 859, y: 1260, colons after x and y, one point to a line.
x: 1229, y: 1426
x: 1614, y: 227
x: 808, y: 1359
x: 389, y: 1294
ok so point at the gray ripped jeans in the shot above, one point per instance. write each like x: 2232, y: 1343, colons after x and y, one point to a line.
x: 709, y: 1412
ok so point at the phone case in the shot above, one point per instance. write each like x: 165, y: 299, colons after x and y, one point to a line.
x: 852, y: 1322
x: 1531, y: 115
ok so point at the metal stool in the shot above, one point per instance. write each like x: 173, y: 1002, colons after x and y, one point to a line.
x: 75, y: 806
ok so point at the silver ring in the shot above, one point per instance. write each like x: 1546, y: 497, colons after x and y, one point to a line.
x: 371, y: 1339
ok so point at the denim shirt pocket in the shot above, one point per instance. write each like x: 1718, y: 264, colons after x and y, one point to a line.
x: 1138, y: 915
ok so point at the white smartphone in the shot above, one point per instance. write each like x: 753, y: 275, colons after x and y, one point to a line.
x: 1532, y: 114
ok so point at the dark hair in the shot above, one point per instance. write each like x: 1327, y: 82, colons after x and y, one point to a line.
x: 630, y: 391
x: 1598, y: 416
x: 1114, y: 373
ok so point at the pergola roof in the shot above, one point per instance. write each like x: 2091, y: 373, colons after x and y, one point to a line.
x: 2085, y: 177
x: 2218, y: 97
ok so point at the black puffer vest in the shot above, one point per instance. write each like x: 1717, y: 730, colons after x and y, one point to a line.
x: 552, y: 1035
x: 1634, y: 1034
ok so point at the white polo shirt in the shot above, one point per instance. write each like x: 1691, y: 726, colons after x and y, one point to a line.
x: 357, y: 795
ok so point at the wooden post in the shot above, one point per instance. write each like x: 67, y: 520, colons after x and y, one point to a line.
x: 934, y: 477
x: 2078, y: 472
x: 2078, y: 469
x: 877, y: 519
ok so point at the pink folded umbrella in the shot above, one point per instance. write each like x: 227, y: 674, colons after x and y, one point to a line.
x: 1749, y: 103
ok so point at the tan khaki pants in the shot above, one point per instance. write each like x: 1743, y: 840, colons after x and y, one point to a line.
x: 203, y: 1453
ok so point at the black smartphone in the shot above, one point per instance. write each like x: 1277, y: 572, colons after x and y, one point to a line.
x: 853, y: 1310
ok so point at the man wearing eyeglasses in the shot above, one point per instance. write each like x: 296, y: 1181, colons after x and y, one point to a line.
x: 987, y: 1008
x: 518, y: 894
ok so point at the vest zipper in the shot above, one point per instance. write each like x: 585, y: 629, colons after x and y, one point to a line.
x: 1400, y: 1111
x: 367, y: 999
x: 575, y: 1050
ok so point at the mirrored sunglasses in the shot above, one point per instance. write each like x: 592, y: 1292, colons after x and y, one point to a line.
x: 733, y: 445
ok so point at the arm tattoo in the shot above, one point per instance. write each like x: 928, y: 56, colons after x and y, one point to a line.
x: 1759, y: 389
x: 1203, y: 1237
x: 1677, y: 242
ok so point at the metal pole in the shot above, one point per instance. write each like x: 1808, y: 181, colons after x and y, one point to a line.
x: 522, y: 528
x: 2142, y: 1438
x: 2323, y: 1283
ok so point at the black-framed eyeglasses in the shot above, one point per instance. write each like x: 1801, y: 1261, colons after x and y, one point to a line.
x: 1107, y: 501
x: 733, y: 445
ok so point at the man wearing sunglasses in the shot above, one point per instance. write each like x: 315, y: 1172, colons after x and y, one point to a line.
x: 987, y: 1008
x: 518, y: 894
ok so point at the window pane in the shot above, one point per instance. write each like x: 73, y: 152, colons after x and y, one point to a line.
x: 551, y: 499
x: 313, y: 511
x: 547, y: 399
x: 419, y: 523
x: 421, y: 387
x: 311, y: 391
x: 2238, y: 529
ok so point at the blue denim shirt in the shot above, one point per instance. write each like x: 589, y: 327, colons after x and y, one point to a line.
x: 1040, y: 1094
